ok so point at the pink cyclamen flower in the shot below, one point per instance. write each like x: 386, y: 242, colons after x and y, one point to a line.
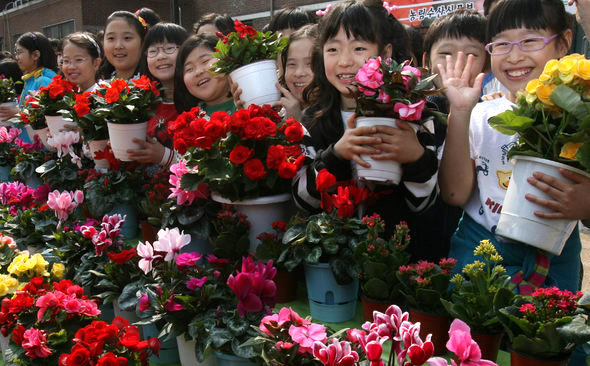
x: 35, y: 343
x: 370, y: 76
x: 184, y: 197
x: 412, y: 112
x: 307, y: 335
x: 335, y: 354
x: 466, y: 349
x: 63, y: 142
x: 144, y: 302
x: 171, y: 241
x: 8, y: 135
x: 194, y: 282
x: 146, y: 252
x: 64, y: 203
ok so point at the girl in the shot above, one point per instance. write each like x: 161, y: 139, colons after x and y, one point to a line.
x: 193, y: 83
x: 160, y: 48
x: 296, y: 59
x: 123, y: 37
x: 82, y: 56
x: 349, y: 34
x: 524, y: 35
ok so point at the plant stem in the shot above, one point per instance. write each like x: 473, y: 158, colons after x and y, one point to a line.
x: 389, y: 362
x: 564, y: 122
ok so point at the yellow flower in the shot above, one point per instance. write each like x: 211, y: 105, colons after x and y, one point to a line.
x: 574, y: 56
x: 583, y: 69
x: 3, y: 289
x: 531, y: 86
x: 544, y: 77
x: 568, y: 150
x: 567, y: 65
x: 567, y: 78
x: 550, y: 67
x: 58, y: 270
x: 544, y: 92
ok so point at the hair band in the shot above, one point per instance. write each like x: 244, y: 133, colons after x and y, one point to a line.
x: 87, y: 37
x: 143, y: 23
x: 390, y: 8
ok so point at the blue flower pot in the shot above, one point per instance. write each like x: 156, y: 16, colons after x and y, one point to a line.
x: 223, y: 359
x: 107, y: 312
x: 130, y: 227
x: 169, y: 350
x: 329, y: 301
x: 5, y: 173
x: 33, y: 181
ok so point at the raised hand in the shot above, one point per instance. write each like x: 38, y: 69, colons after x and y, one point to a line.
x: 456, y: 78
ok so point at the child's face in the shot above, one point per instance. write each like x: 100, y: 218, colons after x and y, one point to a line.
x: 298, y: 67
x: 122, y: 46
x: 78, y: 66
x: 199, y: 81
x: 516, y: 68
x: 162, y: 64
x: 343, y: 57
x: 452, y: 46
x: 26, y: 60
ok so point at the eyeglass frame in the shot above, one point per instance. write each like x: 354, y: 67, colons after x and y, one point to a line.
x: 545, y: 41
x: 74, y: 62
x: 163, y: 49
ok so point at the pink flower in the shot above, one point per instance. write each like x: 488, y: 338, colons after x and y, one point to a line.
x: 146, y: 252
x: 254, y: 287
x: 63, y: 142
x: 194, y: 282
x: 64, y: 203
x: 184, y: 197
x: 307, y: 335
x: 461, y: 344
x: 144, y: 302
x: 186, y: 260
x: 46, y: 302
x: 321, y: 13
x: 9, y: 134
x: 171, y: 241
x: 369, y: 76
x: 285, y: 316
x: 35, y: 342
x: 383, y: 97
x: 335, y: 354
x: 412, y: 112
x: 171, y: 305
x: 390, y: 8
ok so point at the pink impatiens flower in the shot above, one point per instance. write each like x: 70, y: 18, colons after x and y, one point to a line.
x: 194, y: 282
x: 307, y: 335
x: 412, y: 112
x: 369, y: 76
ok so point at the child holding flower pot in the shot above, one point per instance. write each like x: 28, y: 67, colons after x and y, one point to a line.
x: 475, y: 169
x: 335, y: 142
x: 82, y: 55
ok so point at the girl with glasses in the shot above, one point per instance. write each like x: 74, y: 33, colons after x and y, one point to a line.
x: 475, y: 171
x: 160, y: 50
x: 81, y: 58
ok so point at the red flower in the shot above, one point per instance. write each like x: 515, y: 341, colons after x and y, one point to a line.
x: 108, y: 359
x: 123, y: 257
x: 112, y: 95
x: 294, y: 131
x: 324, y: 180
x: 259, y: 128
x: 17, y: 334
x: 275, y: 156
x: 119, y: 85
x: 82, y: 106
x: 142, y: 83
x: 240, y: 154
x: 244, y: 30
x: 80, y: 356
x: 254, y: 169
x: 287, y: 170
x: 129, y: 338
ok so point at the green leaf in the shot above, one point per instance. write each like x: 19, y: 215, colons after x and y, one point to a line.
x: 566, y: 98
x: 313, y: 257
x: 509, y: 123
x: 583, y: 155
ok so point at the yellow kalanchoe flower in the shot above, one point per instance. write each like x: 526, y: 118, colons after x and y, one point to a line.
x: 569, y: 150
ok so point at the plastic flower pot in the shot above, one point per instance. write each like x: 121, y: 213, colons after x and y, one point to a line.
x: 435, y: 324
x: 186, y: 353
x: 129, y: 229
x: 370, y: 305
x: 489, y: 344
x: 5, y: 173
x: 257, y: 81
x: 33, y: 181
x: 223, y: 359
x: 329, y: 301
x: 261, y: 213
x: 57, y: 123
x: 42, y: 133
x: 518, y: 221
x: 107, y: 312
x: 122, y: 135
x: 522, y: 359
x: 286, y: 286
x: 96, y: 146
x: 168, y: 351
x: 130, y: 316
x: 381, y: 171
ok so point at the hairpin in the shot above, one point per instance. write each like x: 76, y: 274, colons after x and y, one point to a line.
x: 390, y: 8
x: 91, y: 40
x: 142, y: 21
x: 321, y: 13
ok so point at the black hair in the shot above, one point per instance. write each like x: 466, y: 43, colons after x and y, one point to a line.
x: 161, y: 33
x: 56, y: 44
x: 223, y: 22
x: 35, y: 41
x: 9, y: 68
x: 354, y: 17
x: 149, y: 15
x: 460, y: 23
x: 291, y: 18
x: 488, y: 5
x: 532, y: 14
x: 86, y: 41
x: 309, y: 31
x: 416, y: 42
x: 183, y: 99
x: 106, y: 68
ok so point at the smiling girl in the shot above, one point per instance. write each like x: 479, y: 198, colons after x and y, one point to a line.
x: 123, y: 37
x: 82, y: 56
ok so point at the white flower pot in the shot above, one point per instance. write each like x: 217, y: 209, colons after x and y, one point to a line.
x: 57, y: 123
x: 518, y: 221
x: 130, y: 316
x: 261, y: 213
x: 257, y: 81
x: 186, y: 352
x: 121, y: 136
x: 381, y: 171
x: 95, y: 146
x: 42, y: 133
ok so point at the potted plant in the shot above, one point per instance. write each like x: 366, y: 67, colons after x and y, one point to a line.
x: 8, y: 92
x: 550, y: 120
x: 154, y: 195
x: 543, y: 327
x: 388, y: 92
x: 27, y: 158
x: 247, y: 159
x: 424, y: 284
x: 53, y: 100
x: 472, y: 297
x: 325, y: 244
x: 127, y: 106
x: 379, y: 260
x: 8, y: 137
x: 31, y: 114
x: 249, y: 58
x: 229, y: 237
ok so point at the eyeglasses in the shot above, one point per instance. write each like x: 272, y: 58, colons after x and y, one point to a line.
x: 74, y: 62
x: 18, y: 52
x: 526, y: 45
x: 153, y: 52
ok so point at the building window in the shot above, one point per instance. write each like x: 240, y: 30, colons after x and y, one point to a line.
x: 59, y: 30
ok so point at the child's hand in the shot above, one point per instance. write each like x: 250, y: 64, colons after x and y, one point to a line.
x: 399, y: 144
x: 455, y: 79
x: 236, y: 92
x: 289, y: 102
x: 151, y: 151
x: 356, y: 142
x: 7, y: 113
x: 570, y: 200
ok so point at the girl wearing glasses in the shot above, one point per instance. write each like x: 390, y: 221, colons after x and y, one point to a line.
x: 160, y: 49
x: 81, y: 58
x: 475, y: 170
